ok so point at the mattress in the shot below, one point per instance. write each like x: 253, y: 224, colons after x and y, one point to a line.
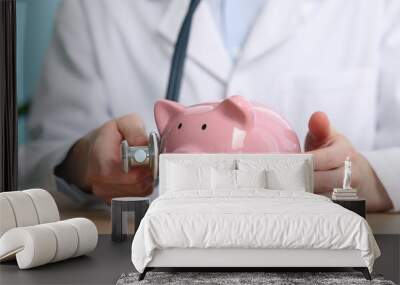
x: 251, y: 219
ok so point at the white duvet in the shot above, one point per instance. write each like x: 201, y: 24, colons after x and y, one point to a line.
x: 250, y: 219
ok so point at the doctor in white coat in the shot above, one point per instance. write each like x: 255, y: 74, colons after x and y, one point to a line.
x: 109, y: 62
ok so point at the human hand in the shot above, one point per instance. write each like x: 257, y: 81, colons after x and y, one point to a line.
x: 94, y: 162
x: 330, y: 149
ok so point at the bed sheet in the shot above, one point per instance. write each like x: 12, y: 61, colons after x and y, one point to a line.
x: 250, y: 218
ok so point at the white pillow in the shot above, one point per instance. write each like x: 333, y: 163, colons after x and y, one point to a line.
x: 292, y: 179
x: 251, y: 178
x: 223, y: 179
x: 183, y: 177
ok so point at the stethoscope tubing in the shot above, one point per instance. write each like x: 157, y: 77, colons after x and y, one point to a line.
x: 179, y: 55
x: 128, y: 153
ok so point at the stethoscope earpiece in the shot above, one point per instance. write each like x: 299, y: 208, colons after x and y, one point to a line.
x: 141, y: 155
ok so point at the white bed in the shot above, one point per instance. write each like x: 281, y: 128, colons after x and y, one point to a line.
x: 268, y: 218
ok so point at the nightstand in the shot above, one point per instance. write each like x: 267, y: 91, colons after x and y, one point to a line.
x: 357, y: 206
x: 120, y: 207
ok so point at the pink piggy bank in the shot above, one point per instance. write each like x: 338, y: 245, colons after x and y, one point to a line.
x: 233, y: 125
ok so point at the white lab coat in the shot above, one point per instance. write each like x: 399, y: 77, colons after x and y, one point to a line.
x: 110, y: 58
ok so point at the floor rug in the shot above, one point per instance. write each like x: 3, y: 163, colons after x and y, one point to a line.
x: 225, y: 278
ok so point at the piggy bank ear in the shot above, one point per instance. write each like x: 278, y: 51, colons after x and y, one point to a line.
x: 164, y: 110
x: 238, y: 109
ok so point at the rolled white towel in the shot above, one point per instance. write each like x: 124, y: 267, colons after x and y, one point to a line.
x: 40, y: 244
x: 67, y: 240
x: 87, y: 235
x: 46, y: 207
x: 23, y: 208
x: 26, y: 208
x: 7, y: 218
x: 33, y: 246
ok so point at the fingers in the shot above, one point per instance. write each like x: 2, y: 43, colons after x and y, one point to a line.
x: 328, y: 165
x: 325, y: 181
x: 318, y: 126
x: 329, y: 150
x: 320, y: 131
x: 104, y: 171
x: 132, y: 129
x: 332, y: 156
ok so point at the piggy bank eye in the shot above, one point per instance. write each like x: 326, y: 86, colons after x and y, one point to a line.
x: 204, y: 126
x: 180, y: 125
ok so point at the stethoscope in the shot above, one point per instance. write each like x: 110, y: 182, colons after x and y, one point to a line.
x: 148, y: 155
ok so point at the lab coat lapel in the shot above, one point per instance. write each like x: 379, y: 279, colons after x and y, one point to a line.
x: 206, y: 47
x: 277, y: 22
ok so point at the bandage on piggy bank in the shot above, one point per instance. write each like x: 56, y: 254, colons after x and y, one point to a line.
x: 233, y: 125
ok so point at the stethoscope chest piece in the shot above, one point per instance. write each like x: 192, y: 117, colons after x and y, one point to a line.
x: 132, y: 156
